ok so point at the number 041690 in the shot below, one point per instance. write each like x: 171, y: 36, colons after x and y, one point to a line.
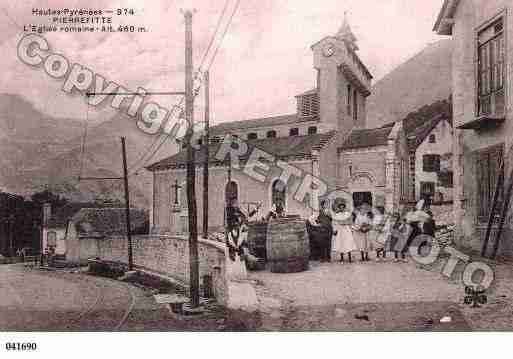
x: 20, y: 346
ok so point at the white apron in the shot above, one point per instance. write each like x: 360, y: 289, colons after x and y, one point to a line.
x: 236, y: 269
x: 361, y: 238
x: 343, y: 241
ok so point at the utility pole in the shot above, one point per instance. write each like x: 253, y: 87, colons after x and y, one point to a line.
x: 127, y: 207
x: 127, y: 199
x: 206, y: 142
x: 191, y: 166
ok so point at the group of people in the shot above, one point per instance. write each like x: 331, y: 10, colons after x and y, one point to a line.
x: 337, y: 233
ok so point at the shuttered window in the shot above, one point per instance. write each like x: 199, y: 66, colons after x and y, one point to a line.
x: 427, y: 189
x: 308, y: 105
x: 355, y: 105
x: 491, y: 51
x: 431, y: 163
x: 488, y: 171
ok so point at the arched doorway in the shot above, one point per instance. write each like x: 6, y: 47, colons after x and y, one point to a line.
x: 362, y: 189
x: 231, y: 193
x: 279, y: 193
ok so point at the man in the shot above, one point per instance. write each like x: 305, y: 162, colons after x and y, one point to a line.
x: 277, y: 210
x: 326, y: 231
x: 421, y: 222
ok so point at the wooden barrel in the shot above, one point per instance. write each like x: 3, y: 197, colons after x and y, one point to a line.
x: 257, y: 237
x: 288, y: 248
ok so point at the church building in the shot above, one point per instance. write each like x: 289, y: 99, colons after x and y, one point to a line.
x: 294, y: 159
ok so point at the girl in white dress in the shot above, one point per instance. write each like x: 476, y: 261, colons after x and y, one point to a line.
x: 376, y: 239
x: 361, y: 227
x: 343, y: 241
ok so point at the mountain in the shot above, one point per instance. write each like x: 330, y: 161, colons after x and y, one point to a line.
x: 40, y: 152
x: 423, y: 79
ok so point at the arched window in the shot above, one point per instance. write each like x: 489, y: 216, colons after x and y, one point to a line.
x: 294, y: 131
x: 279, y: 193
x: 52, y: 239
x: 271, y: 134
x: 312, y: 130
x: 252, y: 136
x: 231, y: 192
x: 355, y: 105
x: 182, y: 195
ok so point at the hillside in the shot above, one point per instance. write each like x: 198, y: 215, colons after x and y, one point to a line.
x: 423, y: 79
x: 41, y: 152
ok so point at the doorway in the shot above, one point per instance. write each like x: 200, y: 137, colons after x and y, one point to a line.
x: 360, y: 198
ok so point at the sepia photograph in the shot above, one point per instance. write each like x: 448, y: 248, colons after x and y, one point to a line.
x: 333, y: 167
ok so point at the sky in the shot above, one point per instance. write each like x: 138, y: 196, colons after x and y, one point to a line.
x: 263, y: 62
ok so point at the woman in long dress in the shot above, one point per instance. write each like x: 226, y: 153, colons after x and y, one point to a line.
x: 361, y: 227
x: 343, y: 241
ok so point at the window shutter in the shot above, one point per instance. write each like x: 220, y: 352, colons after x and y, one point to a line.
x: 436, y: 163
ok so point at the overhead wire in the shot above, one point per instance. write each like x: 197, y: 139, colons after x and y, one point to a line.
x: 207, y: 69
x: 164, y: 137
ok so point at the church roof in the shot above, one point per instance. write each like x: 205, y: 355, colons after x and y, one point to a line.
x: 257, y: 122
x: 309, y: 92
x: 360, y: 138
x: 284, y: 148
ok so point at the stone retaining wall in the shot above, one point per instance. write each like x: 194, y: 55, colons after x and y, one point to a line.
x: 169, y: 255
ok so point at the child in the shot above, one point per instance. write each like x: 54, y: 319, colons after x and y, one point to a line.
x: 376, y: 237
x: 343, y: 241
x: 361, y: 227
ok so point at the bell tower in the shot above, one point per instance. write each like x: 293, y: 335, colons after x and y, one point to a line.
x: 344, y: 82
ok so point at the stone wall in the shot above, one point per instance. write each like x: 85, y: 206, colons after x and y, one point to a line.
x: 169, y: 255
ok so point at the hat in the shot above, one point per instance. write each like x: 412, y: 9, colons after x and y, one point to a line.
x: 418, y: 216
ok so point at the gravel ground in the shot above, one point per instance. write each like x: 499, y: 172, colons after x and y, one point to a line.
x: 365, y: 296
x: 35, y: 300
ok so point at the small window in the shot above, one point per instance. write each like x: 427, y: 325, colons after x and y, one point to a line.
x: 294, y: 131
x: 355, y: 105
x: 252, y: 136
x: 349, y: 99
x: 200, y: 142
x: 215, y: 140
x: 431, y: 163
x: 312, y: 130
x: 52, y: 239
x: 432, y: 139
x: 271, y: 134
x: 491, y: 68
x: 445, y: 179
